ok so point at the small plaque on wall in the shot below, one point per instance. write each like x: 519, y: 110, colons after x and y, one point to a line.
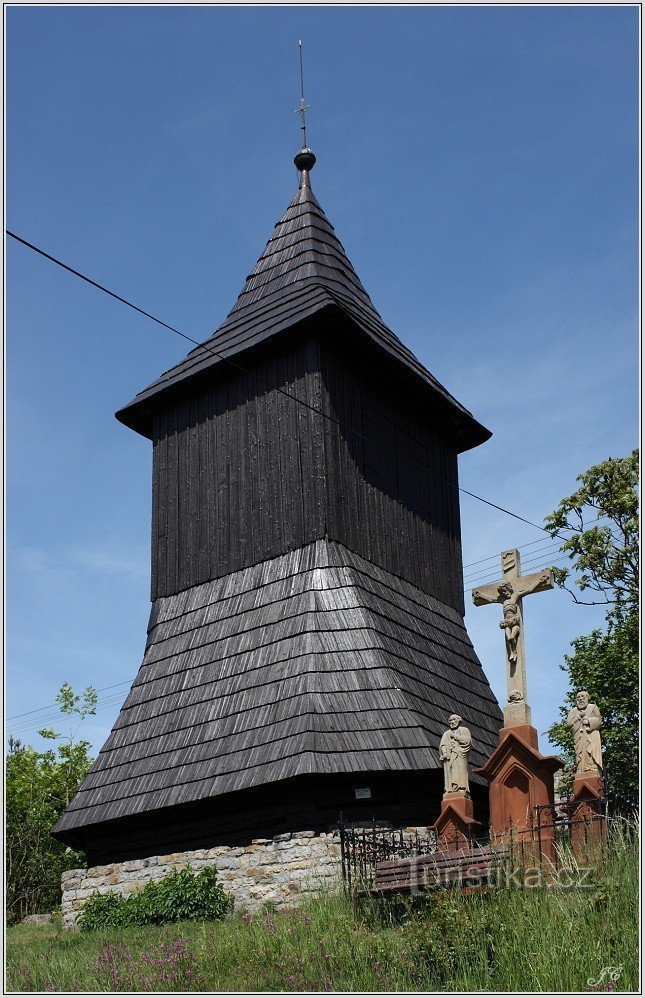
x: 363, y: 793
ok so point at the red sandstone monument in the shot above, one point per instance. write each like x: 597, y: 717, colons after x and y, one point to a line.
x: 455, y: 827
x: 520, y: 778
x: 588, y: 798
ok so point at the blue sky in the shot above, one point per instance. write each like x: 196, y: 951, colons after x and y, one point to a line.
x: 480, y: 168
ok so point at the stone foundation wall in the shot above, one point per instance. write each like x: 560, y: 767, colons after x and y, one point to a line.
x: 283, y: 870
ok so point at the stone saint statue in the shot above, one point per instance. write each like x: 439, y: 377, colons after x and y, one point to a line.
x: 584, y: 721
x: 453, y: 751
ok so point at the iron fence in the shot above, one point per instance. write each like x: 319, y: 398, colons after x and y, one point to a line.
x: 545, y: 840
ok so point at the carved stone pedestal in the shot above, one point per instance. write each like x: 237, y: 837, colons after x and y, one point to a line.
x: 456, y: 827
x: 588, y: 825
x: 520, y: 780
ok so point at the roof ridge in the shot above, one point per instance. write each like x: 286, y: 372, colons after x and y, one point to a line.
x: 294, y: 269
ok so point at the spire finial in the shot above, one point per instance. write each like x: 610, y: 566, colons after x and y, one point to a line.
x: 305, y: 159
x: 302, y: 110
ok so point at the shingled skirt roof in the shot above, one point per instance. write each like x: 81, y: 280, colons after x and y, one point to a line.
x: 313, y: 662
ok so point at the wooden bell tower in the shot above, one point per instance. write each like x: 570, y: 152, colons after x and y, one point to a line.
x: 306, y: 641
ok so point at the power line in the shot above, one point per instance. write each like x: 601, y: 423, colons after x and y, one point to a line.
x: 546, y: 549
x: 54, y: 719
x: 540, y: 540
x: 470, y: 582
x: 238, y: 367
x: 492, y: 557
x: 538, y: 555
x: 482, y: 581
x: 273, y: 387
x: 37, y: 710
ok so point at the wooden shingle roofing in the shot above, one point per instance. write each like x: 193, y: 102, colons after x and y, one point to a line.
x: 316, y: 661
x: 303, y: 271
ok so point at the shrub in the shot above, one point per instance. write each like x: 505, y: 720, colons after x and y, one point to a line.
x: 182, y: 896
x: 38, y: 787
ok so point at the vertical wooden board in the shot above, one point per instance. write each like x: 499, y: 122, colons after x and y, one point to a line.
x: 261, y: 528
x: 451, y: 540
x: 236, y: 445
x: 444, y: 581
x: 225, y: 456
x: 357, y: 407
x: 293, y: 458
x: 359, y: 516
x: 443, y: 537
x: 164, y: 521
x: 329, y: 464
x: 448, y: 581
x: 242, y: 551
x: 389, y: 499
x: 311, y: 364
x: 248, y: 466
x: 154, y: 525
x: 269, y: 433
x: 388, y: 439
x: 195, y: 506
x: 299, y: 424
x: 159, y: 509
x: 203, y: 559
x: 403, y: 466
x: 458, y: 558
x: 252, y: 493
x: 183, y: 493
x: 424, y: 540
x: 283, y: 466
x: 212, y: 458
x: 339, y: 523
x: 425, y: 469
x: 353, y: 447
x: 455, y: 531
x: 434, y: 568
x: 172, y: 504
x: 368, y: 498
x: 307, y: 486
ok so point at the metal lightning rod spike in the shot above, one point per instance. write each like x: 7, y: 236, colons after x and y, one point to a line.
x: 303, y: 107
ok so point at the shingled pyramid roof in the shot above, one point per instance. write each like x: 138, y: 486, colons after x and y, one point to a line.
x: 302, y: 271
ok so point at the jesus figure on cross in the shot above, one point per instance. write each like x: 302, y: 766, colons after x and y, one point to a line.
x: 510, y: 591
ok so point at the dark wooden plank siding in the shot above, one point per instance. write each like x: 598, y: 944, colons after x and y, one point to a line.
x: 244, y: 473
x: 391, y: 494
x: 219, y: 459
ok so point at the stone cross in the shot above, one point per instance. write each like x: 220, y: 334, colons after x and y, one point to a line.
x: 510, y: 591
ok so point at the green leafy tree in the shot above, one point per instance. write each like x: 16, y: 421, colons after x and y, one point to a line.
x: 605, y: 663
x: 75, y: 708
x: 605, y: 567
x: 605, y: 555
x: 39, y: 785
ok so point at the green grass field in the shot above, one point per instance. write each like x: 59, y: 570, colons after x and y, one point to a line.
x: 510, y: 939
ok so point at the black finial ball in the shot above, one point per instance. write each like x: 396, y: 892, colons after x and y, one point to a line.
x: 304, y: 160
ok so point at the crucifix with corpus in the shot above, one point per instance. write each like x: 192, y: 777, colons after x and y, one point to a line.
x: 510, y: 591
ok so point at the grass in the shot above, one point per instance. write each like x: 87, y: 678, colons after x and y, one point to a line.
x: 511, y: 939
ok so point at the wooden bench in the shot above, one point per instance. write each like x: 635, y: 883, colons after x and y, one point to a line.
x: 469, y: 869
